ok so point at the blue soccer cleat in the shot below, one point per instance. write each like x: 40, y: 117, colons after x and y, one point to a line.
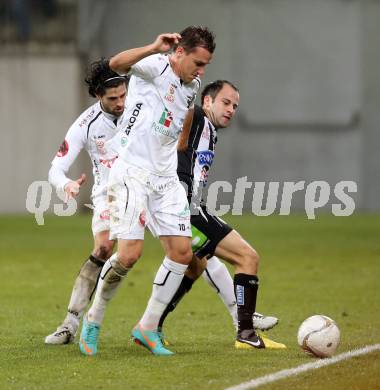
x: 88, y: 343
x: 151, y: 340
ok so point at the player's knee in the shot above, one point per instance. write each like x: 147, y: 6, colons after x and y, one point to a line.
x: 128, y: 259
x: 182, y: 254
x: 103, y: 251
x: 185, y: 255
x: 249, y: 258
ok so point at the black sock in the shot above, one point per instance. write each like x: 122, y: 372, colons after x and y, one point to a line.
x: 245, y: 287
x: 183, y: 288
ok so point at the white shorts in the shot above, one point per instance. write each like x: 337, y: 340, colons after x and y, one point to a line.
x: 101, y: 214
x: 139, y: 199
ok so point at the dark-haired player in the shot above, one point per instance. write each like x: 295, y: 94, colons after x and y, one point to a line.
x: 210, y: 234
x: 144, y: 188
x: 91, y: 130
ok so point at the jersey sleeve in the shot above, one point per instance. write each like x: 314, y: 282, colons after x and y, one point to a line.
x: 150, y: 67
x: 73, y: 143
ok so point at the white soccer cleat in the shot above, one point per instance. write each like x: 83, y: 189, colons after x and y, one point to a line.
x: 64, y: 334
x: 263, y: 322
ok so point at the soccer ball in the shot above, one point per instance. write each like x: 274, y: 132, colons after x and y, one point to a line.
x: 319, y: 335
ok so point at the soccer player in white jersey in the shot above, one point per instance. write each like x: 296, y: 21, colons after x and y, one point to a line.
x: 144, y: 188
x: 91, y: 130
x: 109, y: 88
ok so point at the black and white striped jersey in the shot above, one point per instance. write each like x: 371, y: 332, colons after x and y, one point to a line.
x: 194, y: 163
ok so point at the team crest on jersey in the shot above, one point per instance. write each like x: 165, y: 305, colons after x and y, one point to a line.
x: 63, y: 149
x: 170, y: 94
x: 123, y: 141
x: 100, y: 146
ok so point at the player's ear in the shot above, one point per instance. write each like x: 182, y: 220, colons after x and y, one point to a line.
x: 180, y: 51
x: 207, y: 101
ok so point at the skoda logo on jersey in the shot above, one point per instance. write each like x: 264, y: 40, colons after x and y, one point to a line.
x: 133, y: 118
x: 205, y: 157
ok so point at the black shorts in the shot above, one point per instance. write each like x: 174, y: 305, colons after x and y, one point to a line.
x: 207, y: 231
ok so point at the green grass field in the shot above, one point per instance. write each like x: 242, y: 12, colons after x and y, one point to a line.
x: 329, y: 266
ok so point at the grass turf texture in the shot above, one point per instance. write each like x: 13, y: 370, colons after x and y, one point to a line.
x: 329, y: 266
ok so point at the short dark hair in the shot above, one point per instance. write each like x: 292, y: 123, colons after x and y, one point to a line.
x: 212, y: 89
x: 100, y: 77
x: 197, y: 36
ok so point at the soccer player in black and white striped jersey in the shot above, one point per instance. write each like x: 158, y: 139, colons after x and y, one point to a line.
x: 210, y: 234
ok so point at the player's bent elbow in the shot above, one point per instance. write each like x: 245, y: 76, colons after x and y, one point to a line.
x: 114, y: 63
x: 117, y: 65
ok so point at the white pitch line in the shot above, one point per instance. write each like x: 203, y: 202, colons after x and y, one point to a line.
x: 263, y: 380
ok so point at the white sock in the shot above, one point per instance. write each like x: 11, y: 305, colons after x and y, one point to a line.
x: 165, y: 285
x: 110, y: 279
x: 80, y: 296
x: 217, y: 276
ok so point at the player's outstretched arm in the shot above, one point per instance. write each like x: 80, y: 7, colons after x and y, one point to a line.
x: 184, y: 137
x: 122, y: 62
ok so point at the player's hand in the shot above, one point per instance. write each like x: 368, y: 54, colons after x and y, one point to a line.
x: 164, y: 42
x: 72, y: 187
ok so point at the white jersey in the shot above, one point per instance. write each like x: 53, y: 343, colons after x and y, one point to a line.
x: 158, y: 101
x: 91, y: 131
